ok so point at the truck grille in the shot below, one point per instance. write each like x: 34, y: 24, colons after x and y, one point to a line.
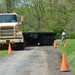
x: 7, y: 32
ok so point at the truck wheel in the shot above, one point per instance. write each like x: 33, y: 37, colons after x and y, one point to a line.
x: 19, y: 46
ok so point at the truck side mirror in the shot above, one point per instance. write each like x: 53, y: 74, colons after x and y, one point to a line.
x: 21, y: 20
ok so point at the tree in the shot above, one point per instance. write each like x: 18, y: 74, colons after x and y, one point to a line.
x: 45, y: 15
x: 10, y: 5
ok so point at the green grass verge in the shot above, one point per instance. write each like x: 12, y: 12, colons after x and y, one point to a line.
x: 70, y: 52
x: 3, y: 53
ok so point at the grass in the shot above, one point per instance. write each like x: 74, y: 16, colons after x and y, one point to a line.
x: 3, y: 53
x: 70, y: 52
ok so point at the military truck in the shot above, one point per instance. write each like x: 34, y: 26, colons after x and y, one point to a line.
x: 10, y: 33
x: 9, y: 30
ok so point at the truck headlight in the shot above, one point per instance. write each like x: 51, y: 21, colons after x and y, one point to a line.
x: 19, y: 33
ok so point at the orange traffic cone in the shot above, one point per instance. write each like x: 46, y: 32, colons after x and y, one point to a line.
x: 55, y: 45
x: 64, y: 67
x: 9, y: 49
x: 65, y: 44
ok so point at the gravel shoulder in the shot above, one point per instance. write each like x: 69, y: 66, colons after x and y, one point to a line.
x: 43, y: 60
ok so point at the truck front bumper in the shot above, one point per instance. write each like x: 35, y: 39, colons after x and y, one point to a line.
x: 4, y: 41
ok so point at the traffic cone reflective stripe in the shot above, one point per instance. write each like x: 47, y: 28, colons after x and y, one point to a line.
x: 9, y: 49
x: 55, y: 46
x: 64, y: 66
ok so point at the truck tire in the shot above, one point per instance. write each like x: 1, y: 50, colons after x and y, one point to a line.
x: 19, y: 46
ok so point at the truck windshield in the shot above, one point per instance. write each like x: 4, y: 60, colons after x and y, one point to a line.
x: 8, y: 18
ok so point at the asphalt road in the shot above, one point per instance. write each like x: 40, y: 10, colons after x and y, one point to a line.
x: 33, y: 61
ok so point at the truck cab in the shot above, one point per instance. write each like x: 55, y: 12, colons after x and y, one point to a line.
x: 9, y: 30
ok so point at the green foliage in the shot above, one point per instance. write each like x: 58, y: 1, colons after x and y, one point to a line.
x: 44, y: 15
x: 26, y: 28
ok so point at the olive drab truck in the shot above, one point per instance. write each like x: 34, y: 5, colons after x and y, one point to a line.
x: 9, y: 30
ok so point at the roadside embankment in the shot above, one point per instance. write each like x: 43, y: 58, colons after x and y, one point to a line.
x: 69, y: 50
